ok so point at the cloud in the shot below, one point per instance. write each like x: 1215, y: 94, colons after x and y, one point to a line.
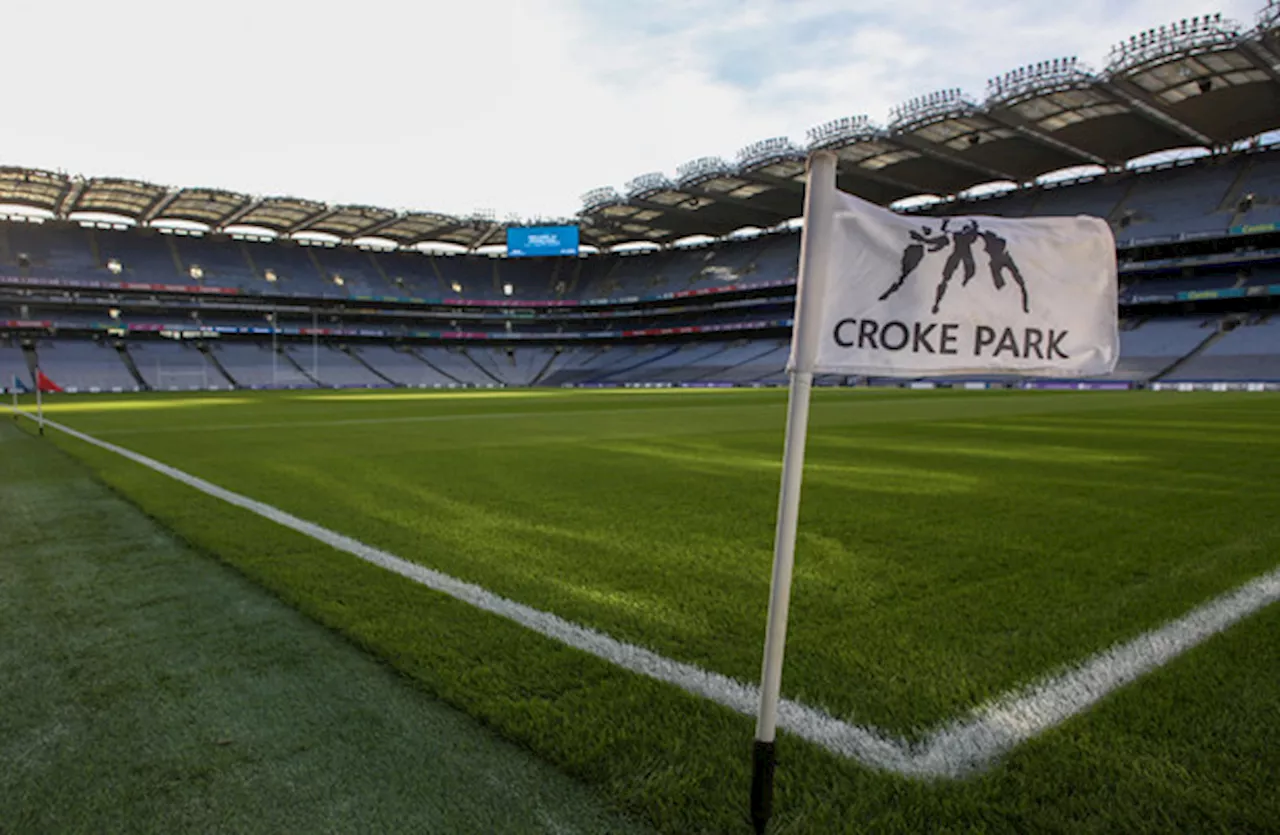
x: 514, y: 105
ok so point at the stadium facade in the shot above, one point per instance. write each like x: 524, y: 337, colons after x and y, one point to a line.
x: 113, y: 285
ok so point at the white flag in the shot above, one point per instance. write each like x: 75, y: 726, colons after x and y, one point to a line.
x: 904, y: 296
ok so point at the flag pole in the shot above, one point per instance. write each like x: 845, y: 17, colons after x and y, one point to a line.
x: 815, y: 263
x: 39, y: 402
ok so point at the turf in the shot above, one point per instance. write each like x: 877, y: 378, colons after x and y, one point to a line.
x: 953, y: 546
x: 148, y: 689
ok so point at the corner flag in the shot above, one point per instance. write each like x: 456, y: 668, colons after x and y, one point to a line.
x: 44, y: 384
x: 910, y: 296
x: 19, y: 387
x: 898, y: 296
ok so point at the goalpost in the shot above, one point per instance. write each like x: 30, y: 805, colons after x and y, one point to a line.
x: 186, y: 379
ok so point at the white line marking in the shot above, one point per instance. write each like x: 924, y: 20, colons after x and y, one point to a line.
x: 959, y: 748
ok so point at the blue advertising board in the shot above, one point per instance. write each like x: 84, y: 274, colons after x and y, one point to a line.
x: 526, y: 241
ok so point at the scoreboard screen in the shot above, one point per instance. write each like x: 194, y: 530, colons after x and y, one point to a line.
x: 529, y: 241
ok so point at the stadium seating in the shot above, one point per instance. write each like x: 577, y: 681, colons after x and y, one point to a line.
x: 1247, y: 353
x: 402, y: 367
x: 330, y: 366
x: 1180, y: 201
x: 457, y: 365
x: 251, y: 365
x: 13, y: 364
x: 1175, y: 200
x: 174, y: 366
x: 85, y: 366
x: 1153, y: 346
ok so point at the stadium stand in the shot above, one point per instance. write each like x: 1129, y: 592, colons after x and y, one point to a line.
x: 85, y: 366
x: 13, y: 364
x: 174, y: 366
x: 457, y: 364
x: 192, y: 297
x: 1149, y: 347
x: 254, y: 366
x: 329, y: 366
x: 401, y: 367
x: 1250, y: 352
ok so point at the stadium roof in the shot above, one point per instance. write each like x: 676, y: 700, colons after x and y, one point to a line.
x: 1204, y: 82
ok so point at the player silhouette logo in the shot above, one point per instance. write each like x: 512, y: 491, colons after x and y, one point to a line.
x: 962, y: 241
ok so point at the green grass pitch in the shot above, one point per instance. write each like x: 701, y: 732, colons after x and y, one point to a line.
x: 953, y: 546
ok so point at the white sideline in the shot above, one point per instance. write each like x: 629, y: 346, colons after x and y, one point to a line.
x: 958, y: 748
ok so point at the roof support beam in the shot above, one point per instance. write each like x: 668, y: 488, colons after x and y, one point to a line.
x: 488, y: 233
x: 1263, y: 58
x: 765, y: 178
x: 327, y: 211
x: 671, y: 216
x: 742, y: 203
x: 855, y: 170
x: 906, y: 140
x: 164, y: 201
x: 67, y: 203
x: 249, y: 206
x: 1013, y: 121
x: 762, y: 216
x: 439, y: 232
x: 375, y: 228
x: 1142, y: 103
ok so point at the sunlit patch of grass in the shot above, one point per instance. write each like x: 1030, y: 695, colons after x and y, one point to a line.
x: 91, y: 405
x: 408, y: 396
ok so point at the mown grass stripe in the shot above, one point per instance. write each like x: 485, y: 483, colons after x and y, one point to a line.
x: 954, y: 750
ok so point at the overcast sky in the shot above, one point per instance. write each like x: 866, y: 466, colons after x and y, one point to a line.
x: 518, y: 106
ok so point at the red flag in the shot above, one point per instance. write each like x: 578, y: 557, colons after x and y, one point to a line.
x: 45, y: 384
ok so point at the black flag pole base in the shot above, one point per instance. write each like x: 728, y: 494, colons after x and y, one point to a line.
x: 762, y: 766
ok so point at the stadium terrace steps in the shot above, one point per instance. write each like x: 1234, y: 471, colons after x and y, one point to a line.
x: 251, y: 365
x: 663, y: 350
x: 438, y: 360
x: 666, y: 367
x: 337, y: 368
x: 360, y: 359
x: 175, y: 366
x: 83, y: 366
x: 401, y: 367
x: 1208, y: 341
x: 467, y: 352
x: 13, y: 365
x: 755, y: 361
x: 1249, y: 352
x: 212, y: 359
x: 319, y: 365
x: 127, y: 359
x: 1155, y: 345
